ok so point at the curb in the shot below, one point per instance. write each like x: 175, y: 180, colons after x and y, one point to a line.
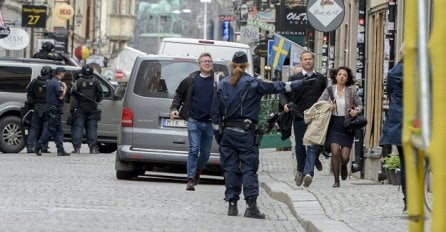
x: 304, y: 206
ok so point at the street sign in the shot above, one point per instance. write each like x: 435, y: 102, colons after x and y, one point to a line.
x: 325, y: 15
x: 261, y: 24
x: 249, y: 34
x: 34, y: 16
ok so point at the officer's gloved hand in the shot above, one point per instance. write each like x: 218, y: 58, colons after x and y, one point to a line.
x: 217, y: 136
x: 308, y: 80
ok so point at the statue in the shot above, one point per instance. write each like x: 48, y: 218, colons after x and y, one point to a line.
x: 160, y: 16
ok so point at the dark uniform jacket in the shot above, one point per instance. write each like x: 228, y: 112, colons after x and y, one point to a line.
x: 86, y: 94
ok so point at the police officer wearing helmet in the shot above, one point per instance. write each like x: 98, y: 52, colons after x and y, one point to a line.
x: 86, y: 94
x: 36, y: 99
x: 47, y: 52
x: 52, y: 126
x: 235, y: 114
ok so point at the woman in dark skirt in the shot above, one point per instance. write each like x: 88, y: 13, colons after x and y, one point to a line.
x: 346, y: 103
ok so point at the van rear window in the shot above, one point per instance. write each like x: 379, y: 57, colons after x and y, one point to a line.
x: 161, y: 78
x: 14, y: 79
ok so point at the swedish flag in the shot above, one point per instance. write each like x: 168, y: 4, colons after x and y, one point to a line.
x: 279, y: 52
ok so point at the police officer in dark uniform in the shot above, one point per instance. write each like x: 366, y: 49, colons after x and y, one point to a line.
x: 47, y: 52
x: 36, y: 100
x: 56, y: 91
x: 235, y: 114
x: 86, y: 94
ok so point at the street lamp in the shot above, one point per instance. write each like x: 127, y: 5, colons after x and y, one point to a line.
x: 78, y: 17
x: 205, y: 17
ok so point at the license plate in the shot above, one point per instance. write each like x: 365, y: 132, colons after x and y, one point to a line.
x: 167, y: 122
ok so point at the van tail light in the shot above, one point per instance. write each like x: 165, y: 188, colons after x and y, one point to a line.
x: 127, y: 117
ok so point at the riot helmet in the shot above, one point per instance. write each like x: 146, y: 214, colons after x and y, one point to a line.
x: 47, y: 46
x: 87, y: 70
x: 46, y: 71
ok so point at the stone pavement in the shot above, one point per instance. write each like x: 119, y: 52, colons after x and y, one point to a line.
x: 358, y: 205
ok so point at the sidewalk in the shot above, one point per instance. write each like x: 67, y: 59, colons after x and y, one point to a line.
x: 358, y: 205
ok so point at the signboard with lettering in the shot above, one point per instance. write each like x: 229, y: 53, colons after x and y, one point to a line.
x: 261, y: 24
x: 4, y: 32
x: 18, y: 39
x: 34, y: 16
x: 292, y: 21
x: 249, y: 34
x: 325, y: 15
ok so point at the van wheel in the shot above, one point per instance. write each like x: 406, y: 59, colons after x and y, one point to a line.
x: 12, y: 137
x: 107, y: 147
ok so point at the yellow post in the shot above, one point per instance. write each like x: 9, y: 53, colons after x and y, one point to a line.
x: 411, y: 103
x: 437, y: 148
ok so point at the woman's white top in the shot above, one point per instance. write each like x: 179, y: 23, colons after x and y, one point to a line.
x: 340, y: 104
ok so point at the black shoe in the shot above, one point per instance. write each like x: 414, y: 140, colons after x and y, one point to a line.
x: 197, y: 176
x: 190, y: 185
x: 45, y: 151
x: 76, y: 151
x: 232, y: 210
x: 336, y: 185
x: 30, y: 150
x: 318, y: 165
x: 94, y: 151
x: 63, y: 153
x: 38, y: 152
x: 344, y: 172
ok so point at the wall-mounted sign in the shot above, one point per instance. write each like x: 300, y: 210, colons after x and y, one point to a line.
x: 18, y: 39
x: 4, y: 32
x: 64, y: 11
x: 291, y: 21
x: 249, y: 34
x: 325, y: 15
x: 34, y: 16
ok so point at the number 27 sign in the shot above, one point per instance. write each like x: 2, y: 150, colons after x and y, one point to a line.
x: 34, y: 16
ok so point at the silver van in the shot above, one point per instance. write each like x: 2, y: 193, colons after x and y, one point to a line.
x: 16, y: 73
x: 147, y: 138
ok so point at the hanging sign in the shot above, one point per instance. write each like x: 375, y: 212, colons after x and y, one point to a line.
x: 64, y: 11
x: 18, y: 39
x: 34, y: 16
x: 325, y: 15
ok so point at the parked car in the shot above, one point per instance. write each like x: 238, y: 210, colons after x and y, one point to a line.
x: 147, y: 137
x: 16, y: 73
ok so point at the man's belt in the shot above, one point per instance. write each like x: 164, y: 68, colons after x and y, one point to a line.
x: 246, y: 124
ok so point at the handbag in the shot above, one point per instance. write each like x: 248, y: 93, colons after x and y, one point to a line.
x: 353, y: 123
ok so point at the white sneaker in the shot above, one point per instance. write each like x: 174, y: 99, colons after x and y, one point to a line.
x: 307, y: 180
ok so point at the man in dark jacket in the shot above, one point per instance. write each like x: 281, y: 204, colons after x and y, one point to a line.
x: 47, y: 52
x: 296, y: 103
x: 192, y: 102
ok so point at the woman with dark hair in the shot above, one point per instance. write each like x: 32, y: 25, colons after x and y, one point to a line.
x: 345, y: 102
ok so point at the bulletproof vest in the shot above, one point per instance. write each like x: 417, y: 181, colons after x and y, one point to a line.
x: 86, y: 88
x: 40, y: 87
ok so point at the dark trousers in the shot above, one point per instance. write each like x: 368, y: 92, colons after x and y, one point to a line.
x: 35, y: 131
x: 52, y: 127
x: 239, y: 157
x: 403, y: 171
x: 87, y: 120
x: 300, y: 151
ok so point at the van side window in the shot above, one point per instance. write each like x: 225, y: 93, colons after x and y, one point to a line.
x: 149, y: 82
x: 14, y: 79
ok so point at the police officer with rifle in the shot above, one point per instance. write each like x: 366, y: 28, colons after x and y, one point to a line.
x: 47, y: 52
x: 85, y: 96
x: 235, y: 115
x: 36, y: 102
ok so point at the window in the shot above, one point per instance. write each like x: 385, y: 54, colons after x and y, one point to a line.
x: 161, y: 78
x: 14, y: 79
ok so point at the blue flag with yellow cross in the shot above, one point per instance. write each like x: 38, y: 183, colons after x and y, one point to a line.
x: 279, y: 52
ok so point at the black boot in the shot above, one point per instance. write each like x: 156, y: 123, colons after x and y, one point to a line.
x: 252, y: 211
x: 232, y: 210
x: 63, y: 153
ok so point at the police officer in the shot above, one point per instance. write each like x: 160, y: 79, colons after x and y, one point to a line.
x: 36, y: 99
x: 86, y: 94
x: 47, y: 52
x: 235, y: 114
x: 56, y: 91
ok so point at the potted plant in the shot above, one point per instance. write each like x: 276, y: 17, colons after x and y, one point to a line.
x: 392, y: 166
